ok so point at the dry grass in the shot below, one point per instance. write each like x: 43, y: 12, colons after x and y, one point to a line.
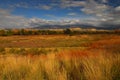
x: 75, y: 65
x: 100, y: 61
x: 44, y: 41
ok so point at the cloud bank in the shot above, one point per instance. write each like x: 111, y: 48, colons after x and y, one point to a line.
x: 7, y: 20
x: 103, y: 14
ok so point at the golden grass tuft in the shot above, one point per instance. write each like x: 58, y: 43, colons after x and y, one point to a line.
x: 61, y: 66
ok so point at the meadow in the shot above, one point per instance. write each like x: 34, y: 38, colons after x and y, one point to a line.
x: 60, y: 57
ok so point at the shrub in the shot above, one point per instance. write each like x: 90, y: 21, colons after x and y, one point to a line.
x: 22, y: 51
x: 43, y: 51
x: 67, y: 31
x: 2, y: 50
x: 14, y: 51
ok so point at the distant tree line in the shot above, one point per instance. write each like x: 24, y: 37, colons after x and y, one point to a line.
x: 10, y: 32
x: 28, y: 32
x: 77, y: 32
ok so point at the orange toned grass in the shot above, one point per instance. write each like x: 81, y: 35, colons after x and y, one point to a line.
x: 66, y: 65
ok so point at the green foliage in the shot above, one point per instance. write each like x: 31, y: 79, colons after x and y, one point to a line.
x: 22, y: 32
x: 9, y: 32
x: 67, y: 31
x: 2, y: 33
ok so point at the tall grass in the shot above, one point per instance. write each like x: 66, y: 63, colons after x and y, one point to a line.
x: 100, y: 60
x: 67, y: 65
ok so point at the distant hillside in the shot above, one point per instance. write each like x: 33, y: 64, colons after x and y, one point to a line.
x: 83, y: 26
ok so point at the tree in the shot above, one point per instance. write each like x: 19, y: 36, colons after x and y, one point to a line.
x: 67, y: 31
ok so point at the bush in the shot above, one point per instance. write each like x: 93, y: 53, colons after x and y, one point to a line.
x: 37, y: 51
x: 14, y: 51
x: 67, y: 31
x: 2, y: 50
x: 22, y: 51
x: 43, y: 51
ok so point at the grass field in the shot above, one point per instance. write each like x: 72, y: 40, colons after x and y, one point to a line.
x: 60, y: 57
x: 43, y: 41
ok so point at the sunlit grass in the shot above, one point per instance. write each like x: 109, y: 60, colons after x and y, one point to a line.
x: 75, y: 65
x: 96, y: 58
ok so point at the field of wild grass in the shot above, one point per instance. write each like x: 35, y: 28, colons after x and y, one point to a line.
x: 45, y: 41
x: 91, y: 57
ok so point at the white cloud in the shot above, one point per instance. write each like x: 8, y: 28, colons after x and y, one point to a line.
x: 69, y: 3
x: 21, y: 4
x: 44, y: 7
x: 37, y: 22
x: 117, y: 8
x: 102, y: 15
x: 7, y: 20
x: 33, y: 6
x: 4, y: 12
x: 92, y: 7
x: 104, y: 1
x: 72, y: 14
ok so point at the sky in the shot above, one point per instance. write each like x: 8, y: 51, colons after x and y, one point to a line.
x: 32, y: 13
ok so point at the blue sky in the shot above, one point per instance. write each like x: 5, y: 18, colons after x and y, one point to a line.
x: 42, y: 11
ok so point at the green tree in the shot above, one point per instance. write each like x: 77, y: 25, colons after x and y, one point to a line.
x: 67, y: 31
